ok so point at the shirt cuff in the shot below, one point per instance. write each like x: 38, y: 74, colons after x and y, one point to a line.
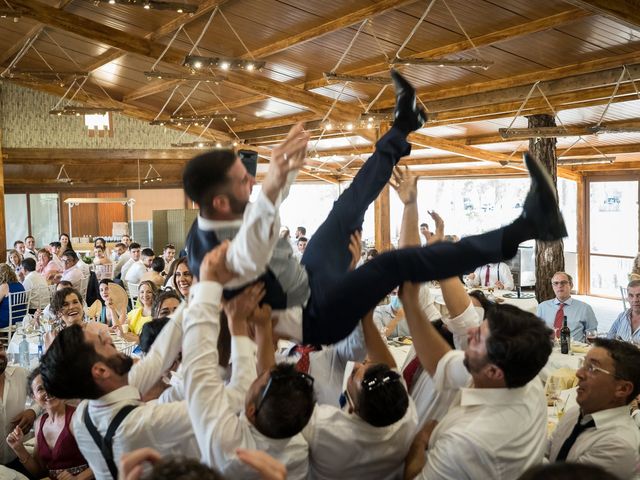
x: 467, y: 319
x: 206, y: 292
x: 242, y: 346
x: 264, y: 204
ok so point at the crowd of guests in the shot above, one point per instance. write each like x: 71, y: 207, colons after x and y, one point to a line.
x: 214, y: 394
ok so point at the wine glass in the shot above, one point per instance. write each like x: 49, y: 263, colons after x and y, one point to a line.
x: 591, y: 335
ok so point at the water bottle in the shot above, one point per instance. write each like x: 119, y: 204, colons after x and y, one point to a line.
x: 23, y: 352
x: 40, y: 346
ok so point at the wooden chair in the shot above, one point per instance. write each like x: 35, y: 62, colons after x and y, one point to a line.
x: 18, y: 308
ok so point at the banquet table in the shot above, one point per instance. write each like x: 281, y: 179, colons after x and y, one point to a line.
x: 527, y: 302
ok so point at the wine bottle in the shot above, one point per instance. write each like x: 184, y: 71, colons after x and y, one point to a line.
x: 565, y: 337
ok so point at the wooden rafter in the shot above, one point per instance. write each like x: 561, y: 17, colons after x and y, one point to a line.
x: 491, y: 38
x: 9, y: 53
x: 152, y: 88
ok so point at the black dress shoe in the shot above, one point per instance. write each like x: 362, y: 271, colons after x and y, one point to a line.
x: 407, y: 116
x: 541, y: 208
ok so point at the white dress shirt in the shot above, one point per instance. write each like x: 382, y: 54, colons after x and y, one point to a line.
x: 497, y: 272
x: 165, y: 427
x: 135, y: 272
x: 119, y: 264
x: 14, y: 396
x: 612, y: 444
x: 494, y: 433
x: 219, y: 428
x: 327, y: 366
x: 73, y: 275
x: 344, y: 446
x: 84, y: 268
x: 40, y: 297
x: 125, y: 268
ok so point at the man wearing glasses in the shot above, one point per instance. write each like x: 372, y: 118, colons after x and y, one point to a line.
x: 599, y: 430
x: 580, y: 316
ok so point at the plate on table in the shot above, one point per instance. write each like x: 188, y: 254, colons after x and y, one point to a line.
x: 523, y: 296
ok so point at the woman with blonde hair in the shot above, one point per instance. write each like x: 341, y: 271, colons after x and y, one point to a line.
x: 136, y: 318
x: 14, y: 259
x: 8, y: 284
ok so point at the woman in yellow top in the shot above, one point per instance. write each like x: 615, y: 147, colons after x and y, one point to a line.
x: 137, y: 317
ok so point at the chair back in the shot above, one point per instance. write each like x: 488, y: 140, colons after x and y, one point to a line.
x: 133, y: 292
x: 104, y: 271
x: 18, y: 308
x: 623, y: 294
x: 84, y: 283
x: 39, y: 297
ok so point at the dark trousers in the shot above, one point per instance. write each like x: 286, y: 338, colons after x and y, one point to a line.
x: 339, y: 298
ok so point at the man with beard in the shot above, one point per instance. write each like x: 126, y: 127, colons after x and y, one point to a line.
x: 13, y: 391
x: 85, y: 365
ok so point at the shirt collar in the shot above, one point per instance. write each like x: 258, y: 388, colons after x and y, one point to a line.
x: 568, y: 301
x: 208, y: 225
x: 492, y: 396
x: 610, y: 416
x: 8, y: 372
x: 128, y: 392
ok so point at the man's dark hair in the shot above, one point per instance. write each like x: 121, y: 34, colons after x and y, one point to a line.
x: 65, y: 283
x: 16, y: 243
x: 169, y: 246
x: 633, y: 284
x: 55, y: 244
x: 57, y: 302
x: 66, y: 367
x: 150, y: 332
x: 133, y: 245
x: 182, y: 469
x: 288, y: 406
x: 161, y: 297
x: 28, y: 237
x: 519, y: 343
x: 147, y: 252
x: 383, y: 398
x: 566, y: 471
x: 485, y: 303
x: 71, y: 254
x: 157, y: 265
x: 29, y: 265
x: 626, y: 358
x: 105, y: 281
x: 302, y: 230
x: 303, y: 239
x: 206, y: 176
x: 425, y: 225
x: 120, y: 244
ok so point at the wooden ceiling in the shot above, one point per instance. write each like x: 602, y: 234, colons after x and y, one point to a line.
x: 573, y: 53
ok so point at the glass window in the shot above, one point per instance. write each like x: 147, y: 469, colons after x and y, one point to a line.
x: 608, y: 274
x: 613, y: 217
x: 44, y: 217
x: 16, y: 218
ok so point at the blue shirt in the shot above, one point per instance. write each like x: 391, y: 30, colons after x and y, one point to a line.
x: 622, y: 328
x: 580, y: 316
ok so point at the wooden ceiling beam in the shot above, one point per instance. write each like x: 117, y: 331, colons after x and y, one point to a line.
x: 153, y: 88
x: 525, y: 28
x: 606, y: 167
x: 10, y: 52
x: 105, y: 57
x: 622, y: 11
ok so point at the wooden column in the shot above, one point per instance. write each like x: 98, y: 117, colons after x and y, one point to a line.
x: 3, y: 228
x: 582, y: 244
x: 549, y: 255
x: 383, y: 220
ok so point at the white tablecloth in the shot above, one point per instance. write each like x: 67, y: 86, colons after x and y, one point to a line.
x: 527, y: 304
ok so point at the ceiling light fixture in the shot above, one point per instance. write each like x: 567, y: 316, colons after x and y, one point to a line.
x: 152, y: 176
x: 443, y: 62
x: 177, y: 7
x: 66, y: 179
x: 196, y: 120
x: 189, y: 77
x: 205, y: 144
x: 77, y: 111
x: 331, y: 77
x: 582, y: 161
x: 196, y: 62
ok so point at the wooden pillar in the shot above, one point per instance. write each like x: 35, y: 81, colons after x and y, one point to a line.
x: 383, y: 220
x: 549, y: 255
x: 582, y: 244
x: 3, y: 228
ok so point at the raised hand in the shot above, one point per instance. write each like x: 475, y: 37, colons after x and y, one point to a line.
x: 355, y: 248
x: 405, y: 184
x: 261, y: 316
x: 439, y: 235
x: 214, y: 267
x: 240, y: 307
x: 131, y: 464
x: 286, y: 157
x: 15, y: 438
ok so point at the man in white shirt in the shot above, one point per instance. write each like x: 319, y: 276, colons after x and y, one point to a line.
x: 168, y: 255
x: 81, y: 364
x: 30, y: 250
x: 120, y: 256
x: 277, y: 404
x: 71, y: 271
x: 139, y: 268
x: 600, y: 430
x: 134, y: 256
x: 496, y: 275
x: 35, y: 283
x: 20, y: 247
x: 496, y: 426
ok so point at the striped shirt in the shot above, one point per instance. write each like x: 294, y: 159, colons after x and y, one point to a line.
x: 622, y: 328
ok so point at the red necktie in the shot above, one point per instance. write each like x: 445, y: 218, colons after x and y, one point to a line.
x: 557, y: 323
x: 303, y: 362
x: 486, y: 276
x: 410, y: 372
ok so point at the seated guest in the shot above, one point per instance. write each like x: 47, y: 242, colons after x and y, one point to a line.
x: 56, y: 252
x: 72, y: 273
x: 580, y: 316
x: 138, y: 269
x: 496, y: 426
x: 30, y: 247
x: 56, y: 452
x: 168, y: 255
x: 14, y: 260
x: 20, y: 247
x: 134, y: 256
x: 113, y: 313
x: 155, y: 273
x: 165, y: 303
x: 119, y: 256
x: 496, y: 275
x: 100, y: 256
x: 67, y: 306
x: 180, y: 277
x: 36, y: 284
x: 8, y: 284
x: 627, y: 326
x: 599, y: 430
x: 46, y: 266
x: 277, y: 404
x: 65, y: 242
x: 137, y: 317
x: 46, y: 314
